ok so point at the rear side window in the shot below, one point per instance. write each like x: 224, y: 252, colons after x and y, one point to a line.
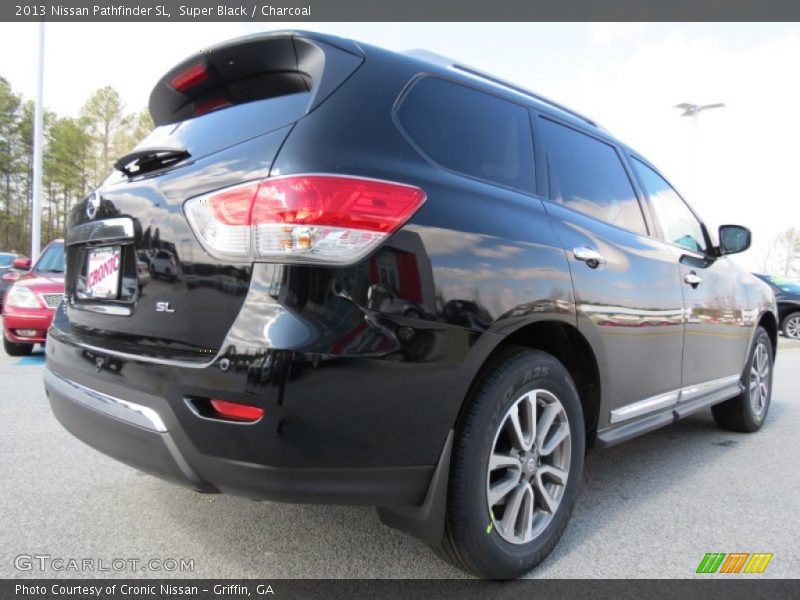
x: 470, y: 132
x: 680, y: 225
x: 587, y: 175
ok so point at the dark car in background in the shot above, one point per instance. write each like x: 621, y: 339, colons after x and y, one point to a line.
x: 453, y: 287
x: 32, y: 300
x: 787, y: 295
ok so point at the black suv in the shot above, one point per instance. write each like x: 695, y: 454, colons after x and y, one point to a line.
x: 787, y: 295
x: 397, y: 282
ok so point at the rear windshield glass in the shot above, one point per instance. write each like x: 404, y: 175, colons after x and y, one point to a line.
x: 471, y: 132
x: 220, y: 129
x: 6, y: 260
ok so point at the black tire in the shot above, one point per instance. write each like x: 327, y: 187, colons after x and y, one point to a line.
x: 739, y: 413
x: 791, y: 326
x: 468, y: 540
x: 14, y: 349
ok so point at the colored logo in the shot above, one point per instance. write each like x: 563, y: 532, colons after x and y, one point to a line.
x: 735, y: 562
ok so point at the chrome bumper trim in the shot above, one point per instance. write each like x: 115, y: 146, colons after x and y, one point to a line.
x: 120, y: 409
x: 106, y: 230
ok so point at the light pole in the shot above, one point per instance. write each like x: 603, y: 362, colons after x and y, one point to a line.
x: 693, y: 111
x: 38, y: 143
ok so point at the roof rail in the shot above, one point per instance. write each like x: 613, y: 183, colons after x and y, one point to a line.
x: 522, y: 90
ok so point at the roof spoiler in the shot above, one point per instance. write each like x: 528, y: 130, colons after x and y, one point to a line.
x: 251, y: 68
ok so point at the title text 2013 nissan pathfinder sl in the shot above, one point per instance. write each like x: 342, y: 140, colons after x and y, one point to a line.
x: 399, y: 282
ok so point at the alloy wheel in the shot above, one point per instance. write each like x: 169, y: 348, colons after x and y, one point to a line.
x: 759, y: 379
x: 529, y: 466
x: 792, y: 328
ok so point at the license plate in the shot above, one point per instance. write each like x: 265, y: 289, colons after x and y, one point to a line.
x: 102, y: 273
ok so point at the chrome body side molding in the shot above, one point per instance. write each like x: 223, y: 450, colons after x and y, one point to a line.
x: 710, y: 391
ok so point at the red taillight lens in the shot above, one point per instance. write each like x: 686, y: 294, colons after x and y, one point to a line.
x: 335, y: 201
x: 236, y: 411
x: 189, y: 78
x: 233, y: 206
x: 312, y: 218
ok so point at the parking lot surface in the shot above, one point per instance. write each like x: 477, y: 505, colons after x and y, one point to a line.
x: 649, y: 508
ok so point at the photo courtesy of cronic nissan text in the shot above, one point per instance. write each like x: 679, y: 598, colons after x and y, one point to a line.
x: 348, y: 299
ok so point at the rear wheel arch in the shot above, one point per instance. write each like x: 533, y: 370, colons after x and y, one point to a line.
x: 568, y: 346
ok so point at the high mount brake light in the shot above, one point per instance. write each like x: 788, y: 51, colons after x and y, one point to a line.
x: 188, y: 78
x: 328, y: 219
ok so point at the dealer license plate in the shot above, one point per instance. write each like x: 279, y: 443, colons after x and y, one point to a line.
x: 102, y: 272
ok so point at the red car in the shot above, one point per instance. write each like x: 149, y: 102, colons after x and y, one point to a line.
x: 31, y: 301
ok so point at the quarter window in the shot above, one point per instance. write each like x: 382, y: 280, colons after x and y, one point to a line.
x: 680, y: 225
x: 587, y: 175
x: 471, y: 132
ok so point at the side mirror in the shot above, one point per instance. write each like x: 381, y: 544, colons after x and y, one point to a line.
x: 733, y: 239
x: 24, y: 264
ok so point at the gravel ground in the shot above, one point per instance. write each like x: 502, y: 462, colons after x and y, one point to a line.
x: 649, y: 508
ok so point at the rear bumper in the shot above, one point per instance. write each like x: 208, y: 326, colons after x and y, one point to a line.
x: 150, y: 439
x: 37, y: 320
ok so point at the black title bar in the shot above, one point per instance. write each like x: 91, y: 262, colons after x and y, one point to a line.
x: 350, y: 589
x: 402, y: 10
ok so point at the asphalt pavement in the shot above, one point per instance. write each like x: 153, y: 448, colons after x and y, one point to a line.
x: 650, y: 508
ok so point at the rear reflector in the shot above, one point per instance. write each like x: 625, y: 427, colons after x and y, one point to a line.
x: 189, y: 78
x: 327, y: 219
x: 236, y: 411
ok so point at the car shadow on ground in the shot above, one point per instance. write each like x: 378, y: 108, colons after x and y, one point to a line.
x: 272, y: 539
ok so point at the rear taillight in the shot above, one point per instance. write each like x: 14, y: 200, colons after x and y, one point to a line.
x: 309, y: 218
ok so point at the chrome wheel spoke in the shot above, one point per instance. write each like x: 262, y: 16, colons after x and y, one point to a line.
x: 522, y: 422
x: 552, y: 442
x: 502, y: 488
x: 546, y: 422
x: 528, y: 507
x: 553, y: 473
x: 513, y: 507
x: 502, y: 461
x: 548, y: 503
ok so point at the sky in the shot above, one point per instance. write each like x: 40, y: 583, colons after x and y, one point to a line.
x: 626, y: 76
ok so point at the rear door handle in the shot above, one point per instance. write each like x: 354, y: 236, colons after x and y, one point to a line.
x: 693, y: 279
x: 590, y: 256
